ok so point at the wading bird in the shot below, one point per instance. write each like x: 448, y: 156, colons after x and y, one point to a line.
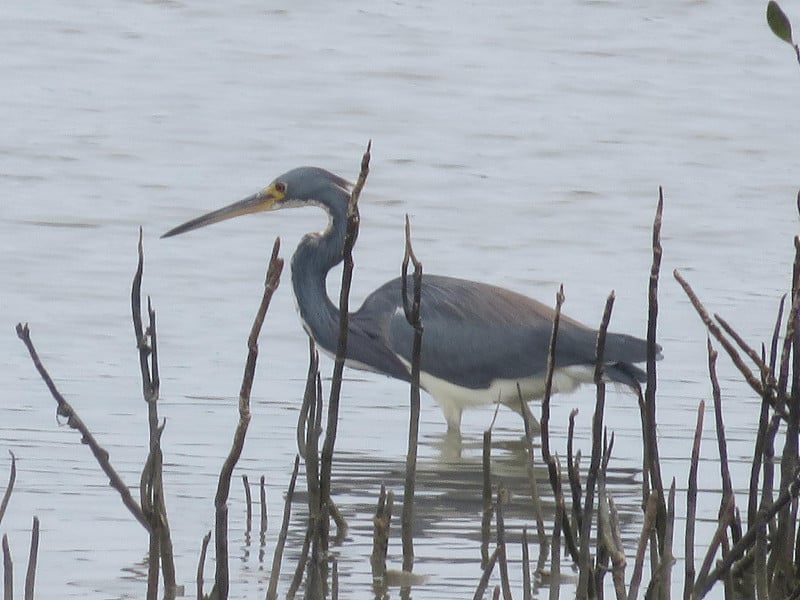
x: 479, y: 342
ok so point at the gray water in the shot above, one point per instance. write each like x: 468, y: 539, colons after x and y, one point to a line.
x: 526, y: 142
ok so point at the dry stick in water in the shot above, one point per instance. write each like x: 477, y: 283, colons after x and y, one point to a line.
x: 501, y: 543
x: 760, y: 567
x: 248, y: 500
x: 307, y: 434
x: 653, y: 465
x: 151, y: 486
x: 308, y: 444
x: 663, y: 574
x: 650, y: 515
x: 221, y: 578
x: 691, y: 505
x: 785, y: 537
x: 526, y: 567
x: 335, y: 580
x: 341, y: 348
x: 573, y: 472
x: 584, y: 565
x: 480, y: 591
x: 547, y: 457
x: 704, y: 580
x: 609, y: 540
x: 74, y: 421
x: 727, y: 486
x: 745, y: 347
x: 201, y: 564
x: 555, y: 550
x: 380, y: 541
x: 30, y: 575
x: 412, y: 313
x: 751, y: 379
x: 12, y: 477
x: 308, y: 397
x: 488, y: 508
x: 272, y: 590
x: 763, y: 422
x: 310, y: 420
x: 536, y: 500
x: 263, y: 498
x: 8, y: 571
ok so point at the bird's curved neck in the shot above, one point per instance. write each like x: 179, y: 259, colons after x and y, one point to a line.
x: 315, y: 256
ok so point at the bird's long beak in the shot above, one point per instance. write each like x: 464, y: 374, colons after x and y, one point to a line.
x: 266, y: 199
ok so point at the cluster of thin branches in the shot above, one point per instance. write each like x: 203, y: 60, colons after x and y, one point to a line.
x: 150, y: 510
x: 760, y: 554
x: 758, y: 558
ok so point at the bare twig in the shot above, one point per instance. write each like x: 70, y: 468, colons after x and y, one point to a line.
x: 201, y: 564
x: 744, y: 346
x: 341, y: 347
x: 248, y: 500
x: 308, y: 396
x: 609, y: 538
x: 480, y: 591
x: 300, y: 569
x: 74, y: 421
x: 412, y: 313
x: 691, y: 504
x: 585, y: 568
x: 751, y: 379
x: 380, y: 540
x: 501, y: 543
x: 272, y: 590
x: 12, y: 477
x: 221, y: 581
x: 263, y: 498
x: 308, y: 433
x: 653, y: 463
x: 727, y: 487
x: 151, y: 483
x: 704, y: 579
x: 30, y: 575
x: 783, y: 542
x: 488, y: 508
x: 573, y: 471
x: 548, y: 378
x: 526, y: 567
x: 664, y: 571
x: 650, y: 516
x: 536, y: 500
x: 555, y: 547
x: 552, y: 469
x: 8, y: 571
x: 770, y: 391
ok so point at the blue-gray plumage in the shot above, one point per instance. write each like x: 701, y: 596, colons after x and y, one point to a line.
x: 479, y: 341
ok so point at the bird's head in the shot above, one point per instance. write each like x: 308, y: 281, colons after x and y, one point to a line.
x: 303, y: 186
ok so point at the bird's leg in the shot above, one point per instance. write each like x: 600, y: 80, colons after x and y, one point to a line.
x: 452, y: 414
x: 524, y: 411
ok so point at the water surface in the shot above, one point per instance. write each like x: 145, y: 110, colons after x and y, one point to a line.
x: 526, y: 142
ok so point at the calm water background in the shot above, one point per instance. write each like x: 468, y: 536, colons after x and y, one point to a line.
x: 525, y: 140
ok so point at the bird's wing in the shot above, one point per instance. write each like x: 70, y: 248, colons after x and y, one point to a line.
x: 475, y: 333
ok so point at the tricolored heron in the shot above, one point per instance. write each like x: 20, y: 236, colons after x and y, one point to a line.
x: 480, y: 341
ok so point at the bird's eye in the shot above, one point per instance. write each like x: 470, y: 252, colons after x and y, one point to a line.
x: 280, y: 187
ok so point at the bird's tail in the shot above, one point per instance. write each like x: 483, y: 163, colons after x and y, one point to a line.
x: 626, y: 374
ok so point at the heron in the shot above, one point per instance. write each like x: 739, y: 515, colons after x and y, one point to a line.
x: 482, y: 344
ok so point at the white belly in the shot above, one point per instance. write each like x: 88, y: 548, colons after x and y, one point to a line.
x: 453, y: 399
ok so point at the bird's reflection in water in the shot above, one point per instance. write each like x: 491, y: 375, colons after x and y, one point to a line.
x: 448, y: 503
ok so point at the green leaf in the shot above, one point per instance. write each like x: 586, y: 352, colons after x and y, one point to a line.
x: 778, y: 22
